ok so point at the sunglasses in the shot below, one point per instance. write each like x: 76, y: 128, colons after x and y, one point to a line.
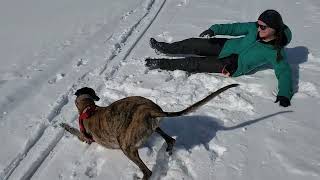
x: 262, y: 27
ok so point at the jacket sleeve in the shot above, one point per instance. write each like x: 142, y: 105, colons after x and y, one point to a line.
x: 283, y: 73
x: 234, y: 29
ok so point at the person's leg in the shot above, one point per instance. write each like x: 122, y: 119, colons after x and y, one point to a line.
x: 210, y: 64
x: 190, y: 64
x: 197, y: 46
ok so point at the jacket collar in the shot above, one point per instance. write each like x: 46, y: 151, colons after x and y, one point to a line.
x: 86, y: 114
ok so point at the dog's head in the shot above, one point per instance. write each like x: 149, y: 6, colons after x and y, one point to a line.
x: 87, y: 91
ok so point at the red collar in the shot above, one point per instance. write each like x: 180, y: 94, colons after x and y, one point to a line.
x: 86, y: 113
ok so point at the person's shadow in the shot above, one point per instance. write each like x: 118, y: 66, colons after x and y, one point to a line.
x: 295, y: 57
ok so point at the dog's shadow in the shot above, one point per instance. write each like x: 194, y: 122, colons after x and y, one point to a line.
x: 191, y: 131
x: 296, y: 56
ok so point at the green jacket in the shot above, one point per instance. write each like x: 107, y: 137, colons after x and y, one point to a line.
x: 253, y: 54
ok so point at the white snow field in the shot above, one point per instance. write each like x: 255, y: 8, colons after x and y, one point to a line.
x: 49, y: 49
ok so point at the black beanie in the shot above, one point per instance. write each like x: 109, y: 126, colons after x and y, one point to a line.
x: 273, y: 19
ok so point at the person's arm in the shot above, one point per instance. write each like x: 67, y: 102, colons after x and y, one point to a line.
x: 234, y: 29
x: 283, y: 73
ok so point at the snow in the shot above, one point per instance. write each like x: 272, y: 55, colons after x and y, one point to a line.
x: 49, y: 49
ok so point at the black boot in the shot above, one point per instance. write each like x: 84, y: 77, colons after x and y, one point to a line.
x: 153, y: 63
x: 159, y: 47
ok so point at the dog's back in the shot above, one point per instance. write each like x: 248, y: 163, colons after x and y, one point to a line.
x: 130, y: 121
x: 124, y: 121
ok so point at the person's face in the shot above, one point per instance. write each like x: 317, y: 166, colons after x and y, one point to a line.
x: 264, y: 30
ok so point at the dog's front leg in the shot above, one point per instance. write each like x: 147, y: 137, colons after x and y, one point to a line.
x: 76, y: 132
x: 133, y: 154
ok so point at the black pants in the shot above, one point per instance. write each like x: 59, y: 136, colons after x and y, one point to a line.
x: 209, y: 48
x: 197, y: 46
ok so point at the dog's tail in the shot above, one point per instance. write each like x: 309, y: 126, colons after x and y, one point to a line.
x: 200, y: 103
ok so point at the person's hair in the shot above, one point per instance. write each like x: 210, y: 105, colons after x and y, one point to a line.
x: 279, y: 44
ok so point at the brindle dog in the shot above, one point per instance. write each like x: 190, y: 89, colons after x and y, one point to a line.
x: 127, y: 123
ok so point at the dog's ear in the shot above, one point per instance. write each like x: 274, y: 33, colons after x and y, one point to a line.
x: 82, y: 91
x: 89, y: 91
x: 92, y: 93
x: 95, y: 97
x: 78, y: 92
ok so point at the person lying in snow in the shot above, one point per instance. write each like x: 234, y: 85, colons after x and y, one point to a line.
x: 262, y: 42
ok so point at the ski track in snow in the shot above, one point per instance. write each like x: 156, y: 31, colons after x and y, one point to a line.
x: 24, y: 166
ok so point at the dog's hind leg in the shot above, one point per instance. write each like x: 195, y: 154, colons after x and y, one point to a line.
x: 169, y: 140
x: 133, y: 154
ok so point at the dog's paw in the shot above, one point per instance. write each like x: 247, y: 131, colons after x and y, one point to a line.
x: 86, y: 140
x: 63, y: 125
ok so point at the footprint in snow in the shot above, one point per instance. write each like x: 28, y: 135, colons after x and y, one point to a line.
x: 183, y: 3
x: 81, y: 62
x: 166, y: 37
x: 307, y: 89
x: 57, y: 78
x: 91, y: 171
x: 126, y: 15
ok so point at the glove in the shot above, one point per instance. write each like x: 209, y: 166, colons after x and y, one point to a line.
x: 207, y: 32
x: 284, y: 101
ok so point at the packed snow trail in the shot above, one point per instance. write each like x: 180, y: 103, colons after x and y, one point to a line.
x: 45, y: 134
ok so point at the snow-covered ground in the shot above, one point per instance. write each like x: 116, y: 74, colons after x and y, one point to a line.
x: 49, y: 49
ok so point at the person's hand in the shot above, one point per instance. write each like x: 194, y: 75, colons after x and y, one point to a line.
x: 284, y: 101
x: 207, y: 32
